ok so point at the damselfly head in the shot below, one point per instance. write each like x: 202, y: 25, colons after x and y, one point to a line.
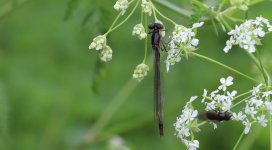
x: 155, y: 26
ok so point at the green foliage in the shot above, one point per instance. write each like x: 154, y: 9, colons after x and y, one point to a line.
x: 49, y: 76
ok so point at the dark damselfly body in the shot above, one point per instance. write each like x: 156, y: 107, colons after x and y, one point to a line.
x: 156, y: 39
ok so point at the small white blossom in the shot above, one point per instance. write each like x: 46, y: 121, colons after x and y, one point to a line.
x: 248, y: 34
x: 266, y: 94
x: 247, y: 125
x: 191, y: 145
x: 225, y: 83
x: 251, y: 111
x: 98, y: 42
x: 239, y: 117
x: 140, y: 72
x: 147, y: 7
x: 121, y: 5
x: 182, y: 42
x: 262, y: 120
x: 106, y: 54
x: 193, y: 98
x: 256, y: 90
x: 268, y: 106
x: 139, y: 30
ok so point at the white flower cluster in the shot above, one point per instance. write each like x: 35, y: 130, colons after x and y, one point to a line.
x: 117, y: 143
x: 140, y: 72
x: 106, y: 54
x: 219, y: 102
x: 139, y: 30
x: 147, y: 7
x: 186, y: 123
x: 100, y: 43
x: 182, y: 42
x: 241, y: 4
x: 255, y: 110
x: 248, y: 34
x: 121, y: 5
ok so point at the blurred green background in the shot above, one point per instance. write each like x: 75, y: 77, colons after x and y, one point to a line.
x: 54, y: 92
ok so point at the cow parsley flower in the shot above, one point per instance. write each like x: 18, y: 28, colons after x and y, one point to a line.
x: 248, y: 34
x: 139, y: 30
x: 98, y: 42
x: 106, y: 54
x: 225, y: 83
x: 147, y: 7
x: 256, y: 106
x: 217, y: 101
x: 182, y: 42
x: 140, y: 72
x: 186, y: 123
x: 247, y: 125
x: 239, y: 117
x: 121, y: 5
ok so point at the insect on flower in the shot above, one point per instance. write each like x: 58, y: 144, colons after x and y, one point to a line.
x: 213, y: 115
x: 156, y: 42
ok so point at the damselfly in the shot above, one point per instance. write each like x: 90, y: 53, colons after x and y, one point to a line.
x: 156, y: 42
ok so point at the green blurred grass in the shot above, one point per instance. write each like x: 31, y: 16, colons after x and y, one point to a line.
x: 46, y: 71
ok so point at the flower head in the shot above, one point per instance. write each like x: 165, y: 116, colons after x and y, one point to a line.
x: 106, y: 54
x: 139, y: 30
x: 140, y: 72
x: 182, y: 42
x: 248, y: 34
x: 98, y: 42
x: 186, y: 123
x: 147, y: 7
x: 121, y: 5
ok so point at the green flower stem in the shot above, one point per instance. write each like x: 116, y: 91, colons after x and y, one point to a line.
x: 226, y: 24
x: 167, y: 5
x: 225, y: 66
x: 146, y: 40
x: 115, y: 20
x: 264, y: 72
x: 202, y: 123
x: 236, y: 104
x: 117, y: 26
x: 221, y: 6
x: 241, y: 95
x: 154, y: 13
x: 166, y: 18
x: 239, y: 140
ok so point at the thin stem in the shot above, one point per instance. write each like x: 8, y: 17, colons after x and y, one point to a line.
x: 221, y: 5
x: 226, y: 24
x: 270, y: 131
x: 115, y: 20
x: 225, y: 66
x: 154, y: 13
x: 262, y: 67
x: 243, y: 94
x: 166, y: 18
x: 239, y: 140
x: 241, y: 101
x: 117, y: 26
x: 146, y: 40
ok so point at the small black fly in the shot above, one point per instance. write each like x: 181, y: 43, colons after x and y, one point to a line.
x: 156, y: 42
x: 217, y: 115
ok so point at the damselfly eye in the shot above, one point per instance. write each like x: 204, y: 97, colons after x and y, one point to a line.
x: 151, y: 25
